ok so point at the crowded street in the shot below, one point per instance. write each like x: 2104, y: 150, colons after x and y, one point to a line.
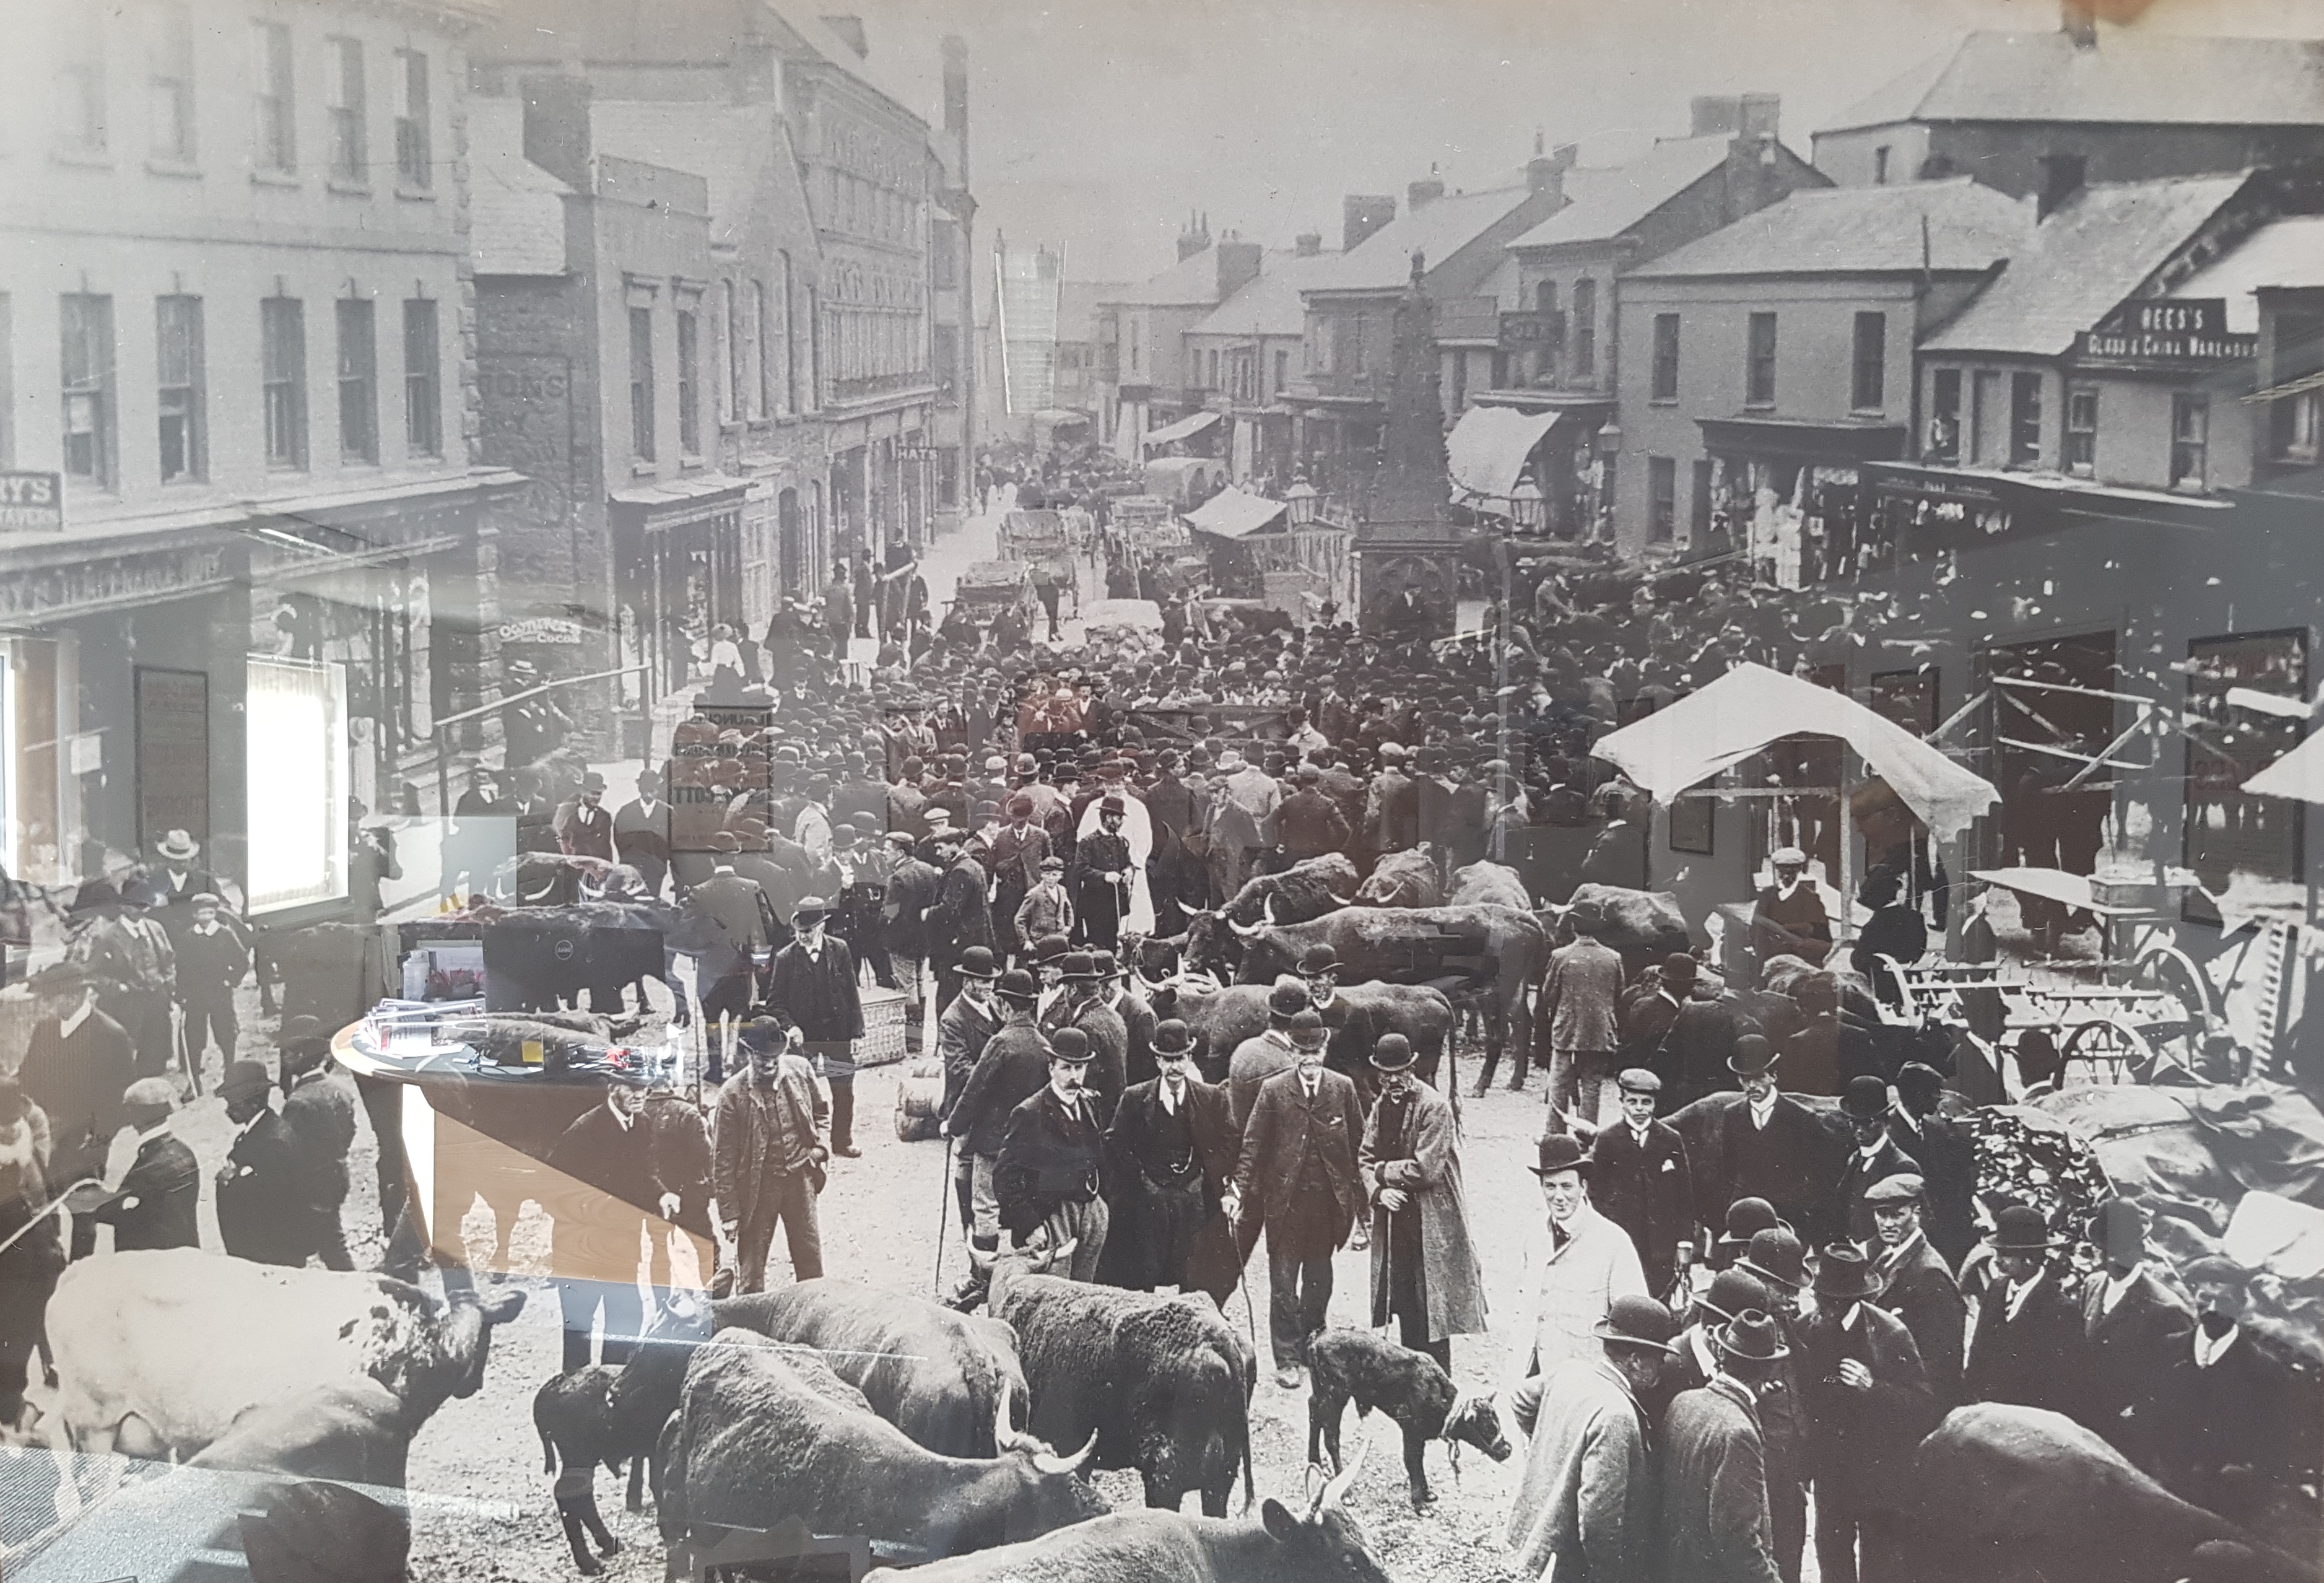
x: 828, y: 872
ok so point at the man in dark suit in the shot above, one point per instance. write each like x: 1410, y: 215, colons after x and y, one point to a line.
x: 602, y: 1184
x: 2027, y: 1347
x: 2137, y: 1331
x: 1868, y: 1405
x: 583, y: 829
x: 1349, y: 1048
x: 1050, y: 1177
x: 153, y: 1207
x: 1175, y: 1148
x: 641, y: 832
x: 1015, y: 858
x: 1770, y: 1146
x: 1299, y: 1170
x: 258, y: 1185
x: 1640, y: 1180
x: 1915, y: 1283
x: 1946, y: 1157
x: 904, y: 913
x: 2241, y: 1428
x: 812, y: 987
x: 960, y: 917
x: 967, y: 1025
x: 1083, y: 1007
x: 1875, y: 1158
x: 318, y: 1107
x: 1014, y: 1066
x: 728, y: 918
x: 1697, y: 1045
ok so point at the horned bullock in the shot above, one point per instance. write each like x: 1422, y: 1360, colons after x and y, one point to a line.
x: 1222, y: 1018
x: 939, y: 1376
x: 1403, y: 879
x: 1309, y: 888
x: 754, y: 1447
x: 151, y: 1353
x: 1489, y: 885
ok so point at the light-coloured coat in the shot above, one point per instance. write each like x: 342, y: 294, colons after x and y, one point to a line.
x: 1567, y: 1292
x: 1449, y: 1281
x: 1585, y: 1512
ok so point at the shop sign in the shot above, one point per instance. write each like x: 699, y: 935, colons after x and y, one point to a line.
x: 2166, y: 334
x: 542, y: 629
x: 32, y: 503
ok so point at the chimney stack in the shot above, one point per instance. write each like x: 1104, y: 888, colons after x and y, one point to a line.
x: 1361, y: 215
x: 1239, y: 262
x: 1195, y: 238
x: 2062, y: 177
x: 954, y: 52
x: 557, y: 127
x: 1714, y: 114
x: 1308, y: 244
x: 1761, y: 116
x: 1545, y: 173
x: 1419, y: 195
x: 849, y: 30
x: 2079, y: 21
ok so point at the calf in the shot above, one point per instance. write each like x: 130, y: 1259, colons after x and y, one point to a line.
x: 1277, y: 1546
x: 755, y: 1446
x: 1411, y: 1387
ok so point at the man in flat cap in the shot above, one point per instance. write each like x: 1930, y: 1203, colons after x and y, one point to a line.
x: 1790, y: 918
x: 153, y: 1207
x: 1916, y: 1285
x: 1640, y: 1178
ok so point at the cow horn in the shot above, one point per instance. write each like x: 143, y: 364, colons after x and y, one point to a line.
x: 1330, y: 1494
x: 1051, y: 1462
x: 1246, y: 931
x: 1004, y: 1433
x: 1267, y: 910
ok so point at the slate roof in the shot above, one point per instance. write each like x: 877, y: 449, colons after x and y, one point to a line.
x: 2083, y: 262
x: 2133, y: 77
x: 1077, y: 306
x: 2282, y: 252
x: 722, y: 145
x: 1191, y: 283
x: 1270, y: 304
x: 516, y: 209
x: 1604, y: 202
x: 807, y: 22
x: 1860, y: 230
x: 1439, y: 229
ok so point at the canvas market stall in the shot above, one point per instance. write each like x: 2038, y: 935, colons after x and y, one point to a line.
x: 1256, y: 550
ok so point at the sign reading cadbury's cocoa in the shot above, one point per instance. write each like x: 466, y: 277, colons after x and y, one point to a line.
x: 2166, y: 334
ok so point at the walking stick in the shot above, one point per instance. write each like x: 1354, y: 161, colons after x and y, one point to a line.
x: 943, y: 1217
x: 50, y: 1207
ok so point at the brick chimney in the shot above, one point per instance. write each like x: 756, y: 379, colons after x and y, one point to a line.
x: 955, y: 50
x: 1360, y: 215
x: 557, y: 127
x: 2079, y: 21
x: 1419, y: 195
x: 849, y: 30
x: 1713, y: 114
x: 1762, y: 115
x: 1195, y: 238
x: 1308, y: 244
x: 1545, y: 173
x: 1239, y: 262
x: 1749, y: 180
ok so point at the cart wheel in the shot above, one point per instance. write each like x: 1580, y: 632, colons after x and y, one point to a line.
x: 2111, y: 1046
x: 2168, y: 969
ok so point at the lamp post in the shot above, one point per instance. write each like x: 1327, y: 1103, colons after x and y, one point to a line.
x: 1606, y: 444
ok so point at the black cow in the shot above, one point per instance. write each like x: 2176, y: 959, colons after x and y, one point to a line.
x: 1309, y: 888
x: 1411, y: 1387
x: 1161, y: 1384
x: 1220, y: 1019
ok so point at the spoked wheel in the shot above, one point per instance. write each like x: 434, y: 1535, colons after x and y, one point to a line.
x: 2114, y: 1050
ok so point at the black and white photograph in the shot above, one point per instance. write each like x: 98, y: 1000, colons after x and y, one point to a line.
x: 1263, y: 791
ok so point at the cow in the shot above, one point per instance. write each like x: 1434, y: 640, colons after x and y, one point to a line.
x: 1279, y: 1545
x: 1495, y: 954
x: 1309, y: 888
x: 754, y: 1447
x: 1160, y: 1384
x: 1403, y: 879
x: 352, y: 1430
x: 1222, y: 1018
x: 939, y: 1376
x: 1489, y: 885
x: 148, y: 1363
x: 2009, y: 1493
x: 1411, y: 1387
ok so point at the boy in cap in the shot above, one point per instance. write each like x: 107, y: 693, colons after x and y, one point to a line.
x: 153, y: 1207
x: 1045, y: 909
x: 1641, y: 1180
x: 212, y: 961
x: 258, y: 1185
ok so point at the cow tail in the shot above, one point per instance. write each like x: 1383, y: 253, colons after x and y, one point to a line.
x: 547, y: 1453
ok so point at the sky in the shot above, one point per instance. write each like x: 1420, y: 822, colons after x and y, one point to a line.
x: 1097, y: 124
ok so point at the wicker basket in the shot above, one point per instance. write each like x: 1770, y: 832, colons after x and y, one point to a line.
x: 884, y: 1028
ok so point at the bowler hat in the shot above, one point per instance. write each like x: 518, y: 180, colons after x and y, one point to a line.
x: 1843, y: 1272
x: 1638, y: 1080
x: 1751, y: 1337
x: 1560, y: 1152
x: 1079, y: 966
x: 1732, y: 1291
x: 1070, y: 1045
x: 1753, y: 1055
x: 242, y: 1078
x: 1775, y: 1254
x: 1904, y: 1187
x: 1391, y: 1052
x: 1172, y: 1037
x: 1018, y: 985
x: 1111, y: 807
x: 1680, y: 966
x: 1051, y: 948
x: 1319, y: 959
x: 1866, y: 1098
x: 1307, y: 1028
x: 1020, y: 806
x: 1637, y: 1321
x: 1286, y: 1000
x: 1745, y: 1218
x: 976, y: 962
x: 592, y: 782
x: 2020, y: 1228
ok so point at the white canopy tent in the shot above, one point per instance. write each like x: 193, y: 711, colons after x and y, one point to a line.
x: 2298, y: 774
x: 1750, y: 707
x: 1487, y: 448
x: 1232, y: 513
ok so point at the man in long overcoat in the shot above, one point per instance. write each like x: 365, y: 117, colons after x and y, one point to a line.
x: 1298, y: 1169
x: 1425, y: 1273
x: 1014, y: 1064
x: 1175, y: 1146
x: 961, y: 917
x: 770, y: 1160
x: 1586, y: 1508
x: 1576, y: 1263
x: 812, y: 986
x: 1640, y: 1179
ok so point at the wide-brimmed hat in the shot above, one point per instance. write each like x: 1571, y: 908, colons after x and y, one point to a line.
x: 1905, y: 1187
x: 1072, y: 1046
x: 1843, y: 1272
x: 1751, y: 1337
x: 2021, y: 1228
x: 976, y: 962
x: 1319, y: 959
x: 1775, y: 1254
x: 244, y: 1078
x: 1020, y: 806
x: 1752, y: 1056
x: 1637, y: 1321
x: 1391, y: 1052
x: 1559, y: 1151
x: 178, y: 846
x: 1866, y: 1098
x: 1172, y: 1037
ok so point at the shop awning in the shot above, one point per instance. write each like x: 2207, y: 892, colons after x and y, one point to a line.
x: 1232, y: 515
x: 2298, y: 774
x: 1488, y: 448
x: 1749, y: 708
x: 2054, y: 885
x: 1184, y: 429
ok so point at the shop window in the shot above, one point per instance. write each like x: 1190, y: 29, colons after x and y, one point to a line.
x: 2082, y: 429
x: 1545, y: 297
x: 344, y: 98
x: 178, y: 379
x: 170, y: 85
x: 1868, y: 367
x: 358, y: 382
x: 423, y: 399
x: 2025, y: 420
x: 1944, y: 415
x: 642, y: 385
x: 2233, y: 839
x: 414, y: 147
x: 1666, y: 370
x: 1662, y: 498
x: 1759, y: 367
x: 85, y: 327
x: 274, y: 145
x: 2190, y: 441
x: 295, y: 742
x: 1585, y: 327
x: 282, y: 373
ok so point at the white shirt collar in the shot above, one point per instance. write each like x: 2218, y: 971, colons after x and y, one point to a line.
x: 1762, y: 1109
x: 1867, y: 1152
x: 2017, y: 1294
x: 2208, y: 1351
x: 1169, y: 1101
x: 1853, y: 1316
x: 2118, y: 1287
x: 622, y: 1118
x: 71, y: 1023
